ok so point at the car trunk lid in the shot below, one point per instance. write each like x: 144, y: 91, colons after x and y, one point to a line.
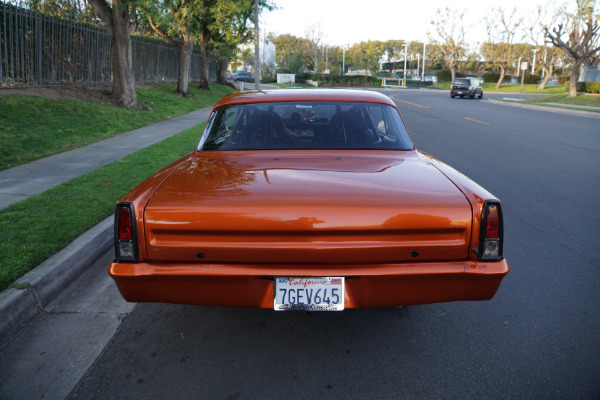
x: 307, y: 207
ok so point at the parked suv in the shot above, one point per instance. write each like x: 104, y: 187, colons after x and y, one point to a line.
x: 466, y: 87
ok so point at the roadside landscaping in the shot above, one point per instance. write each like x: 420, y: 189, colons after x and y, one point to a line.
x: 35, y: 229
x: 510, y: 88
x: 34, y: 127
x: 586, y: 100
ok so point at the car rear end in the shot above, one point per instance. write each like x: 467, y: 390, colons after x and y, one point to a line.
x: 308, y: 229
x: 462, y: 87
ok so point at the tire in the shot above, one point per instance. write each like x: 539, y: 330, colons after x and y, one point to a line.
x: 452, y: 96
x: 481, y: 96
x: 472, y: 95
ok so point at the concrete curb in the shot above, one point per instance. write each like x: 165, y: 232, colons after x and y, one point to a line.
x: 51, y: 277
x: 580, y: 113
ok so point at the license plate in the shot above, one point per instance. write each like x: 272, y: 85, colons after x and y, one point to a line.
x: 458, y: 92
x: 309, y: 294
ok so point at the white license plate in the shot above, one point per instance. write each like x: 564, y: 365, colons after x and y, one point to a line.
x: 458, y: 92
x: 309, y: 294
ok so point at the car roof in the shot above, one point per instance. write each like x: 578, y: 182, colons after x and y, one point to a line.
x: 284, y: 95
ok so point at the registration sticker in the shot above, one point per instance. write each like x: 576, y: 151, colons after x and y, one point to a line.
x: 309, y: 294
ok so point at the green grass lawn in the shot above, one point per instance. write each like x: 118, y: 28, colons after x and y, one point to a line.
x: 34, y: 127
x: 292, y: 85
x: 34, y: 229
x: 590, y: 100
x: 510, y: 88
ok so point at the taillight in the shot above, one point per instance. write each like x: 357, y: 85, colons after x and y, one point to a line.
x: 491, y: 236
x: 125, y: 233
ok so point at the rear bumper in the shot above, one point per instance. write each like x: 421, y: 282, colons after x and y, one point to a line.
x: 247, y: 285
x: 465, y: 92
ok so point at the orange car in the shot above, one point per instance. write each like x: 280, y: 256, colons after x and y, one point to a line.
x: 307, y: 200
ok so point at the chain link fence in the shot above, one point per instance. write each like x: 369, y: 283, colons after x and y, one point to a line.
x: 62, y: 42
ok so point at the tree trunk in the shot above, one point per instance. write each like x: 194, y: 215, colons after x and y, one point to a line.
x: 117, y: 21
x: 547, y: 74
x: 452, y: 72
x: 502, y: 72
x: 574, y: 77
x: 222, y: 75
x: 204, y: 60
x: 185, y: 62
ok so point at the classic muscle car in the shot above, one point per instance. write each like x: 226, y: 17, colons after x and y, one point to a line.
x: 307, y: 200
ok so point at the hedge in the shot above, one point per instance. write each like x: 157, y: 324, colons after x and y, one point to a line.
x: 585, y: 87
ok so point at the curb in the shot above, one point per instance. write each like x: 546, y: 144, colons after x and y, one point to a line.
x: 560, y: 110
x: 50, y: 278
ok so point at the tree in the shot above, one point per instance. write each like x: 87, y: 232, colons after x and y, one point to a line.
x: 313, y: 44
x: 289, y: 55
x: 172, y: 19
x: 230, y: 29
x: 581, y: 29
x: 117, y: 19
x: 394, y: 50
x: 449, y: 36
x: 501, y: 33
x: 366, y: 55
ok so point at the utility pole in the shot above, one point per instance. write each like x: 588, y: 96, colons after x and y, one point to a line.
x: 533, y: 64
x: 405, y: 57
x: 424, y: 46
x: 544, y: 67
x: 256, y: 48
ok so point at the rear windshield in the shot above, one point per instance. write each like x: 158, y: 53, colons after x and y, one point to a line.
x: 462, y: 82
x: 305, y: 125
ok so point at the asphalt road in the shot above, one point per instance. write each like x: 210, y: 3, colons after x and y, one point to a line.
x: 539, y: 338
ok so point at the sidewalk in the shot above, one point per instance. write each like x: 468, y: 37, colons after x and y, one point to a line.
x: 26, y: 180
x: 50, y: 278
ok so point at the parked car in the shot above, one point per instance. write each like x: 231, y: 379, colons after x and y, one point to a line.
x: 307, y: 199
x: 466, y: 87
x: 241, y: 76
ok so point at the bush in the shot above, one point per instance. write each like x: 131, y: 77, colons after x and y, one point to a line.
x: 562, y: 79
x: 592, y: 87
x: 531, y: 78
x: 491, y: 77
x: 585, y: 87
x: 445, y: 75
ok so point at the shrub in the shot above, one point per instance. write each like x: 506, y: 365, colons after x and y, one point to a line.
x: 445, y: 75
x: 562, y: 79
x: 531, y: 78
x: 585, y: 87
x: 491, y: 77
x: 592, y: 87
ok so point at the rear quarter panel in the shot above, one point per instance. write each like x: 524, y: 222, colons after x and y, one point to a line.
x: 475, y: 194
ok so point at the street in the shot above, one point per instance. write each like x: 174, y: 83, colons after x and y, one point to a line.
x: 539, y: 338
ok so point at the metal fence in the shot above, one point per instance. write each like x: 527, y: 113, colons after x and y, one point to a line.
x: 38, y: 49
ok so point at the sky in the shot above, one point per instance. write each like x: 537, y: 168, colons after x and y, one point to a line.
x: 353, y: 21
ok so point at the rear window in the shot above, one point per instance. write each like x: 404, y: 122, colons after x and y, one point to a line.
x: 305, y: 125
x: 462, y: 82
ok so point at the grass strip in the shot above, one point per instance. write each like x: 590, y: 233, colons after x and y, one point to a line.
x: 590, y: 100
x: 34, y: 229
x: 510, y: 88
x: 34, y: 127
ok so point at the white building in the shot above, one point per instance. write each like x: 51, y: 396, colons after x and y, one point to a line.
x: 266, y: 50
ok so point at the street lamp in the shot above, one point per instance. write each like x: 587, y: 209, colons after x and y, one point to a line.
x: 343, y: 60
